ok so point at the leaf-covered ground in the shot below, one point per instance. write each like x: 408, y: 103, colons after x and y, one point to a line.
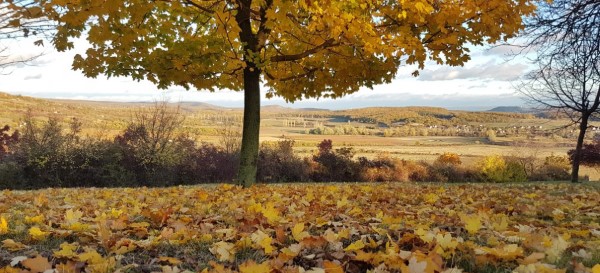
x: 303, y: 228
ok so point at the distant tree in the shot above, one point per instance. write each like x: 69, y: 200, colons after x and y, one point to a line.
x: 21, y: 19
x: 566, y: 37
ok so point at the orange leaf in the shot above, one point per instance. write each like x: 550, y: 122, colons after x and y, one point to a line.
x: 332, y: 267
x: 38, y: 264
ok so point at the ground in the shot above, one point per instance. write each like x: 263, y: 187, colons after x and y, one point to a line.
x: 392, y: 227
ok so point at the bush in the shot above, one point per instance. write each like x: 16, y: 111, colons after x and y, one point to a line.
x: 208, y: 164
x: 334, y: 165
x: 449, y: 159
x: 554, y: 168
x: 277, y: 163
x: 386, y: 169
x: 440, y: 172
x: 498, y: 169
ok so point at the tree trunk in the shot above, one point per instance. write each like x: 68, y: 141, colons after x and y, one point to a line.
x: 577, y: 158
x: 249, y: 151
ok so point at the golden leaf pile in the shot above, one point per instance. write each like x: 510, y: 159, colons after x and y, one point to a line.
x: 303, y: 228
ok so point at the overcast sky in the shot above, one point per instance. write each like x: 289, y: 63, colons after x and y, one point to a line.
x: 485, y: 82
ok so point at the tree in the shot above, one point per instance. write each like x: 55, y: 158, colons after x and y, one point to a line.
x: 18, y: 19
x: 297, y: 49
x: 566, y: 35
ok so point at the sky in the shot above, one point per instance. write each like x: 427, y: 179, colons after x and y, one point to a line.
x: 487, y: 81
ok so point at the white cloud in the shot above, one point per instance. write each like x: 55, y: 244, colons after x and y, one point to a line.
x: 482, y: 82
x: 491, y: 70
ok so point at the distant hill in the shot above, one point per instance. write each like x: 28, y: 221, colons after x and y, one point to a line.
x: 511, y: 109
x: 114, y: 115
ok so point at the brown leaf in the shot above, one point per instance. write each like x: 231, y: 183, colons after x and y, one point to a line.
x: 38, y: 264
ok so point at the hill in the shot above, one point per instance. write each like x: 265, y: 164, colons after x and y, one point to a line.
x: 113, y: 115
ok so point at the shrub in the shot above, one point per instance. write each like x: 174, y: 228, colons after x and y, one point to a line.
x: 554, y: 168
x: 514, y: 172
x: 380, y: 169
x: 277, y: 163
x: 440, y: 172
x: 499, y: 169
x: 449, y: 159
x: 492, y: 168
x: 334, y: 165
x: 208, y: 164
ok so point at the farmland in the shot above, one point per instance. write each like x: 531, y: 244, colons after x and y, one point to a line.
x: 425, y: 134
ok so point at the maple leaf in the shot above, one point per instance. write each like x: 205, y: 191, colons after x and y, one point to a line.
x: 37, y: 234
x: 263, y: 240
x: 224, y: 251
x: 472, y: 223
x: 72, y: 216
x: 67, y: 267
x: 271, y: 213
x: 332, y: 267
x: 3, y: 226
x: 298, y: 232
x: 39, y: 219
x: 556, y: 249
x: 13, y: 246
x: 38, y: 264
x: 252, y: 267
x: 68, y: 251
x: 415, y: 266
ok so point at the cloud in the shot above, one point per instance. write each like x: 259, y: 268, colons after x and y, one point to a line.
x: 502, y: 50
x: 487, y: 71
x: 33, y: 77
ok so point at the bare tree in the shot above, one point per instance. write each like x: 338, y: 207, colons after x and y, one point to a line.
x: 230, y: 137
x: 565, y: 35
x: 21, y: 19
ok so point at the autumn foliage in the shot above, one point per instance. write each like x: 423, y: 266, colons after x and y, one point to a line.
x: 309, y: 228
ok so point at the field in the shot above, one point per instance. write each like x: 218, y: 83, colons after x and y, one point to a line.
x: 398, y: 227
x: 203, y: 122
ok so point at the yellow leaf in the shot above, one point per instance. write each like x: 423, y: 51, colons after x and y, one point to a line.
x: 39, y: 219
x: 252, y: 267
x: 72, y: 217
x: 224, y: 251
x: 298, y: 232
x: 11, y: 245
x: 596, y: 268
x: 91, y: 257
x: 3, y: 226
x: 472, y: 223
x: 431, y: 198
x: 271, y: 213
x: 263, y: 240
x: 358, y: 245
x: 446, y: 241
x: 68, y: 251
x: 169, y: 260
x: 9, y: 269
x: 331, y: 267
x: 37, y: 234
